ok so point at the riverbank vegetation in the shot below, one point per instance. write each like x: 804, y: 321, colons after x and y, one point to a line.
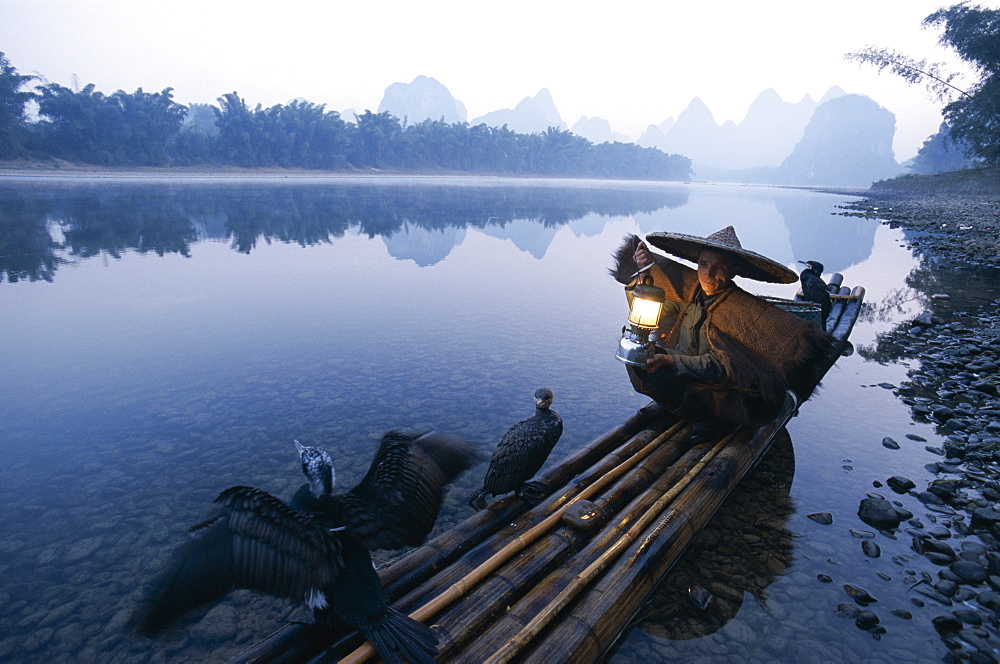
x: 151, y: 129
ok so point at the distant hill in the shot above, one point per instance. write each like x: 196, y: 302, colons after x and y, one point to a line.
x: 422, y: 99
x: 847, y: 143
x: 765, y: 136
x: 598, y: 130
x: 531, y: 116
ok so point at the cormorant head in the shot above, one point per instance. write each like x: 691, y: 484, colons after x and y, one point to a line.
x: 543, y: 397
x: 317, y: 466
x: 814, y: 266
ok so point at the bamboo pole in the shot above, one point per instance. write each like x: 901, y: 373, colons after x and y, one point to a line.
x: 851, y: 311
x: 836, y: 312
x: 514, y: 645
x: 463, y: 585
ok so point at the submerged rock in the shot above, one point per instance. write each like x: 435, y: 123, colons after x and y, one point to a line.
x: 859, y: 595
x: 900, y: 484
x: 890, y: 443
x: 822, y: 518
x: 878, y: 512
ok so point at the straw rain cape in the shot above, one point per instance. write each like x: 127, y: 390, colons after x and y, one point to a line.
x: 764, y: 349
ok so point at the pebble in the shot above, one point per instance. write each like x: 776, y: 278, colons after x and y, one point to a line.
x: 954, y: 387
x: 929, y: 498
x: 900, y: 484
x: 878, y: 512
x: 990, y: 599
x: 859, y: 595
x: 866, y: 619
x: 969, y: 571
x: 945, y: 624
x: 822, y: 518
x: 930, y: 593
x: 946, y: 587
x: 846, y: 610
x: 969, y: 616
x: 890, y: 443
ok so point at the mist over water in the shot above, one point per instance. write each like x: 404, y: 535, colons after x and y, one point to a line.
x: 164, y: 340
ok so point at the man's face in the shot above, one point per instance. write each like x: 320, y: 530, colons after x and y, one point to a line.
x: 715, y: 270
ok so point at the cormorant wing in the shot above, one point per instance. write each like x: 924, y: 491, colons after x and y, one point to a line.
x: 250, y: 540
x: 397, y: 501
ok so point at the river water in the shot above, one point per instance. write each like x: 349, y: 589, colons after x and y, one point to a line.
x: 165, y: 339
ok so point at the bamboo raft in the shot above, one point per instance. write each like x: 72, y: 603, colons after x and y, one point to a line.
x: 561, y: 580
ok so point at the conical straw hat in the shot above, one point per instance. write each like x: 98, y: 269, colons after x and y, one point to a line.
x: 752, y: 265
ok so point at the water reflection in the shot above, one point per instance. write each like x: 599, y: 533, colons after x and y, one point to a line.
x: 420, y: 223
x: 744, y: 548
x: 966, y: 289
x: 786, y: 225
x: 41, y: 227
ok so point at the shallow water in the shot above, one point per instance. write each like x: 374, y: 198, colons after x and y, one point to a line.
x: 166, y: 339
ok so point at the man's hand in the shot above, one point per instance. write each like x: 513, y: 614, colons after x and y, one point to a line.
x: 642, y: 256
x: 659, y: 360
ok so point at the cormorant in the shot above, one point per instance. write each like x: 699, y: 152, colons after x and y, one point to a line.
x: 397, y: 501
x: 320, y: 557
x: 814, y: 288
x: 521, y: 452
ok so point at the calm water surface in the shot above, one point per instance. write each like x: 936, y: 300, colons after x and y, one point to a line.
x: 163, y: 340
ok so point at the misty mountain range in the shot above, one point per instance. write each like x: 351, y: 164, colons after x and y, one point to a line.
x: 842, y: 140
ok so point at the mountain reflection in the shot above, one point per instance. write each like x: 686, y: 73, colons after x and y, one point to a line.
x: 44, y: 224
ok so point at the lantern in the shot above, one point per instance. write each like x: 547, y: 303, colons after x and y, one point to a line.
x: 638, y: 336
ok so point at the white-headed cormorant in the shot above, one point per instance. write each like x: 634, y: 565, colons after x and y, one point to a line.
x: 397, y: 501
x: 521, y: 452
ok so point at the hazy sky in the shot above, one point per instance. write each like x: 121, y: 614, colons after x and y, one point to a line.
x: 634, y: 63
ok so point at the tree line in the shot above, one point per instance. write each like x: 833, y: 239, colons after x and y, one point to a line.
x: 152, y: 129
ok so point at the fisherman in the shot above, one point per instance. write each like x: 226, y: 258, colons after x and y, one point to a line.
x: 722, y: 355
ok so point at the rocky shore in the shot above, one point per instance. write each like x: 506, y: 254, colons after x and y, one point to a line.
x: 947, y: 217
x: 955, y: 355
